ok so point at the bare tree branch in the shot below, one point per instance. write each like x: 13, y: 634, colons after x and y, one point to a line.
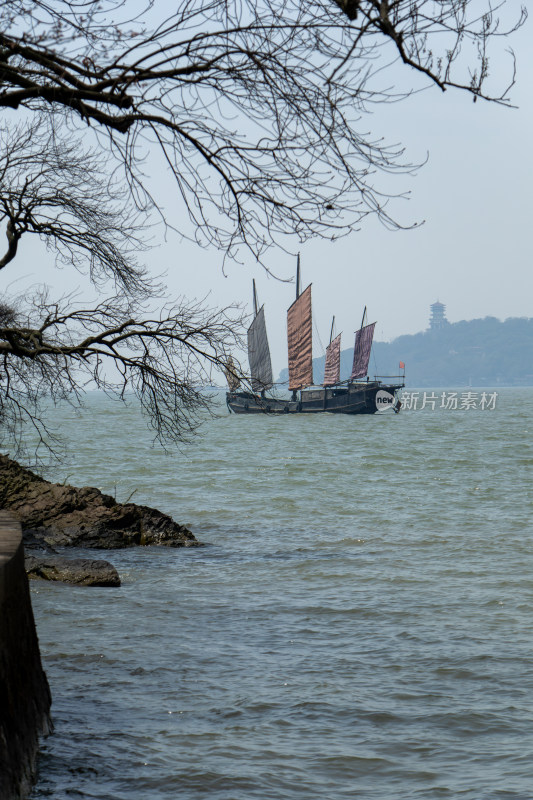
x: 255, y: 110
x: 255, y: 106
x: 53, y: 349
x: 62, y: 193
x: 50, y: 350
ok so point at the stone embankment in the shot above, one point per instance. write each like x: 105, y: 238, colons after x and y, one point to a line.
x: 24, y: 692
x: 55, y: 515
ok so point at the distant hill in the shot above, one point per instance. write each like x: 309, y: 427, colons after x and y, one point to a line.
x: 480, y: 352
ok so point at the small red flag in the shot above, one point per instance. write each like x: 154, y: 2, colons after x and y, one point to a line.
x: 402, y: 365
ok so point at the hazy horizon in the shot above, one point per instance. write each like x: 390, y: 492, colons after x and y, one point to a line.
x: 473, y: 253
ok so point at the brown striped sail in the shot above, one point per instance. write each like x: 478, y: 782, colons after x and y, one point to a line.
x: 332, y: 370
x: 300, y: 340
x: 259, y: 353
x: 230, y: 371
x: 361, y: 351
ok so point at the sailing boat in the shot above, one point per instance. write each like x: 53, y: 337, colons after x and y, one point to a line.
x: 354, y: 396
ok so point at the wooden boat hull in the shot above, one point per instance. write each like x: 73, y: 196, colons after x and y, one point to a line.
x: 354, y: 398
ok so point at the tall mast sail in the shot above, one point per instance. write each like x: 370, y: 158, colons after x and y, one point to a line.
x: 332, y: 371
x: 361, y: 351
x: 259, y: 351
x: 300, y: 340
x: 256, y: 305
x: 332, y: 329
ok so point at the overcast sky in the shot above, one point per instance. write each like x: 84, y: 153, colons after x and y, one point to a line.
x: 473, y: 252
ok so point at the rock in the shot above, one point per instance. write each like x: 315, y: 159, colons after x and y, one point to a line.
x: 54, y: 514
x: 80, y: 571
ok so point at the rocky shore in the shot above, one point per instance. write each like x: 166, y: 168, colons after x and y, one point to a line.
x: 55, y: 515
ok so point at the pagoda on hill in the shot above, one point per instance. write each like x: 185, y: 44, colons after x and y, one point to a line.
x: 437, y: 317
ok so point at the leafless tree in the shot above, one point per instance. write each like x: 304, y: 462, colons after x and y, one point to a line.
x: 256, y: 106
x: 50, y: 349
x: 58, y: 190
x: 256, y: 109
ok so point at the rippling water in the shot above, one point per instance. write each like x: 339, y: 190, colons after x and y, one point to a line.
x: 358, y: 625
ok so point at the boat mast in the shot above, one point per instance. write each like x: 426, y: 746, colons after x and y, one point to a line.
x: 362, y: 325
x: 255, y: 317
x: 331, y: 332
x: 294, y: 393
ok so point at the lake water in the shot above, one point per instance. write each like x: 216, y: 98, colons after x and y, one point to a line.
x: 358, y: 625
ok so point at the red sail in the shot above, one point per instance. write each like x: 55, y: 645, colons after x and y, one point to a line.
x: 361, y: 352
x: 332, y: 371
x: 300, y: 339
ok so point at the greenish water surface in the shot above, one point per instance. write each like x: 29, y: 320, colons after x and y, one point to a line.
x: 358, y: 625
